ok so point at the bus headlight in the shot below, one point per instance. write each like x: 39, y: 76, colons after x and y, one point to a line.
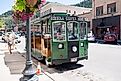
x: 74, y: 49
x: 60, y: 46
x: 82, y: 44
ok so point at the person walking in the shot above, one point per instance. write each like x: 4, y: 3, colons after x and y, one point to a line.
x: 9, y: 44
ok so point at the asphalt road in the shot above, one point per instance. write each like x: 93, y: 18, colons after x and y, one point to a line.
x: 103, y: 64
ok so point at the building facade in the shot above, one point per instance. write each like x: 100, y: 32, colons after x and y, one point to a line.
x: 106, y: 17
x: 88, y: 18
x: 59, y: 8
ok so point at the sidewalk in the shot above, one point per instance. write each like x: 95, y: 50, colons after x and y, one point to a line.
x: 7, y: 62
x: 5, y: 74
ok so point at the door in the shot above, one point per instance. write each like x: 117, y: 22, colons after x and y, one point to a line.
x: 83, y: 43
x: 59, y: 43
x: 73, y: 39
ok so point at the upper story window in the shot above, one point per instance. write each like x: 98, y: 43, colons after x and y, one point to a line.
x: 99, y: 11
x: 69, y: 11
x: 111, y: 8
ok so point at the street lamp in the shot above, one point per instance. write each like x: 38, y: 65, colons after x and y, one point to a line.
x: 24, y: 9
x: 28, y: 72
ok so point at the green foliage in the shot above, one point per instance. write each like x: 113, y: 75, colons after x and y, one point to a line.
x: 19, y: 5
x: 6, y: 18
x: 8, y: 21
x: 6, y: 14
x: 1, y: 22
x: 23, y: 9
x: 85, y: 3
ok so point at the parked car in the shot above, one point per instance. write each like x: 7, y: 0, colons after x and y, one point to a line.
x: 110, y: 38
x: 91, y: 37
x: 17, y: 37
x: 4, y: 36
x: 1, y: 33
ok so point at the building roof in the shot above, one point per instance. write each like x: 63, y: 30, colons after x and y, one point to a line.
x: 59, y: 4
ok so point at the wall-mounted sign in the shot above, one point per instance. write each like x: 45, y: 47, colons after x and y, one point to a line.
x: 46, y: 12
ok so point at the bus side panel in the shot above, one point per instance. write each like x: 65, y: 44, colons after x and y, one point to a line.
x: 59, y: 53
x: 83, y: 49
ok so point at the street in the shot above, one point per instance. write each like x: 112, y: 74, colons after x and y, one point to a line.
x: 60, y: 40
x: 103, y: 64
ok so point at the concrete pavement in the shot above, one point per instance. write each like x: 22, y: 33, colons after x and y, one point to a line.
x: 5, y: 73
x: 8, y: 61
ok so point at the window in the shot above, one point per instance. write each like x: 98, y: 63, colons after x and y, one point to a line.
x: 99, y: 11
x: 69, y: 11
x: 73, y: 30
x: 111, y: 8
x: 83, y: 30
x: 59, y: 31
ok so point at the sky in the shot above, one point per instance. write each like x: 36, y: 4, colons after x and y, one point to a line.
x: 6, y: 5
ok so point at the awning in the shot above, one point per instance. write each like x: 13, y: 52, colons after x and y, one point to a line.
x: 104, y: 26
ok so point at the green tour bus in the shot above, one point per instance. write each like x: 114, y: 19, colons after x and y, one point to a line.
x: 62, y: 39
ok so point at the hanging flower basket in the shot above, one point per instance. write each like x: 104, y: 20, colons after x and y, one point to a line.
x: 21, y: 6
x: 31, y: 3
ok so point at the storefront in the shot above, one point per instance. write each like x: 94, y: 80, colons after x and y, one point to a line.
x: 101, y: 26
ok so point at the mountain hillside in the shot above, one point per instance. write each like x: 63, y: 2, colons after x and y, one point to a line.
x: 85, y: 3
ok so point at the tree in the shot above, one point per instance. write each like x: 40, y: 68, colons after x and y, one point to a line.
x: 85, y: 3
x: 1, y: 23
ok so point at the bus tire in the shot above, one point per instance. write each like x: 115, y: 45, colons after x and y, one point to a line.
x: 47, y: 63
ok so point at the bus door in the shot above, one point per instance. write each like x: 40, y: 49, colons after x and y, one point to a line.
x: 73, y: 40
x: 59, y: 43
x: 83, y: 43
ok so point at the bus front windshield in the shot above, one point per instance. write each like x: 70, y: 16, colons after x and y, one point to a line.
x: 73, y: 31
x: 59, y: 31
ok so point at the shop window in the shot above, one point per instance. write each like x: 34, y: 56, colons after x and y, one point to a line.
x: 99, y: 11
x: 111, y: 8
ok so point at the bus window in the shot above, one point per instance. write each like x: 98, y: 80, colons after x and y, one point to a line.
x: 73, y: 31
x: 83, y: 30
x: 59, y: 31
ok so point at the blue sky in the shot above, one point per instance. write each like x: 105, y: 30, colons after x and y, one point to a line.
x: 6, y: 5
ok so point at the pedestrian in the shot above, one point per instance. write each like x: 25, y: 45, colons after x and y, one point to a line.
x: 9, y: 44
x: 12, y: 38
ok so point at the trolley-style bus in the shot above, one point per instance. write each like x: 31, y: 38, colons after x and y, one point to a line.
x: 62, y: 39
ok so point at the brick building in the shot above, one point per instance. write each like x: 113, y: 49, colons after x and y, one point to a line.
x: 106, y: 16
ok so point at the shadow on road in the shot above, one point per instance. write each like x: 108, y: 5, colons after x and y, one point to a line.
x: 67, y: 66
x: 63, y: 67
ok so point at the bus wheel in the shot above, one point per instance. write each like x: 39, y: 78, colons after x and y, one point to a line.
x: 48, y: 63
x: 74, y: 62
